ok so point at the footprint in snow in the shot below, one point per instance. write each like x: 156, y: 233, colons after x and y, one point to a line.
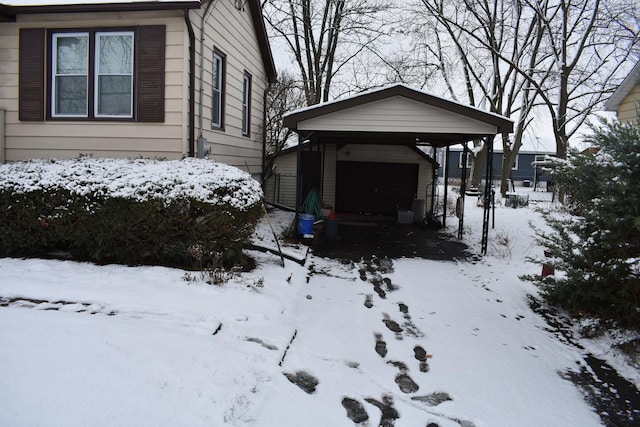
x: 389, y: 412
x: 381, y: 346
x: 404, y: 381
x: 304, y: 380
x: 368, y: 302
x: 355, y: 410
x: 393, y: 326
x: 422, y: 356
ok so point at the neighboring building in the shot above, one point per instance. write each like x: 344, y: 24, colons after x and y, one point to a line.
x: 625, y: 101
x: 523, y: 172
x: 127, y: 78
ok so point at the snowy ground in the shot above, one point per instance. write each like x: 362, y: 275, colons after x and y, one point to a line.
x: 443, y: 344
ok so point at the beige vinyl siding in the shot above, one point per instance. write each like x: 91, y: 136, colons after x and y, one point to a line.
x: 629, y: 108
x: 286, y: 167
x: 231, y: 32
x: 98, y: 138
x: 396, y: 114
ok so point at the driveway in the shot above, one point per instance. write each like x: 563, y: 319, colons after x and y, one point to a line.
x: 366, y: 237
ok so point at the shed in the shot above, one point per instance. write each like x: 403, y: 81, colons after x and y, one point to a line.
x: 374, y: 151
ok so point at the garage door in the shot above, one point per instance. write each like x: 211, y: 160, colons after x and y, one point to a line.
x: 379, y: 188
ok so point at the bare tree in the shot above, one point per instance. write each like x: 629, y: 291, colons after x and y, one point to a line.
x: 284, y: 96
x: 586, y: 43
x: 563, y: 55
x: 479, y: 34
x: 325, y: 36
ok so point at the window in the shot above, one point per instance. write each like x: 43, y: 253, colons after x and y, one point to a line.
x: 92, y: 74
x: 246, y: 104
x: 108, y: 91
x: 217, y: 112
x: 114, y: 74
x: 70, y: 75
x: 469, y: 160
x: 515, y: 163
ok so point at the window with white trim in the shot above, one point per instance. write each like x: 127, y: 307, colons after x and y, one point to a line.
x: 70, y: 72
x: 217, y: 111
x: 246, y: 104
x: 92, y: 74
x: 114, y: 75
x: 469, y: 159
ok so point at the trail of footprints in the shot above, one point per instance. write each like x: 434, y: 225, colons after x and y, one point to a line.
x: 356, y: 411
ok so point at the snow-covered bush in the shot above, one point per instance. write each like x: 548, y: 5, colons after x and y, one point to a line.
x: 596, y: 245
x: 130, y: 211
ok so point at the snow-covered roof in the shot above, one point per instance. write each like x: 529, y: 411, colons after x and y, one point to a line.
x: 401, y: 86
x: 9, y: 9
x: 436, y: 121
x: 94, y: 2
x: 627, y: 85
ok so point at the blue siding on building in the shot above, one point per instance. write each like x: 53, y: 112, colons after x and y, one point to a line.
x: 524, y: 171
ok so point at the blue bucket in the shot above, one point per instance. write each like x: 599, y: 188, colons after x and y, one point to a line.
x: 305, y: 224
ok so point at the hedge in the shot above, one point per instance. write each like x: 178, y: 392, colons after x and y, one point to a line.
x: 189, y: 213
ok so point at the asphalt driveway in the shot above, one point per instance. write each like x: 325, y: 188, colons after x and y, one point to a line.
x: 366, y: 237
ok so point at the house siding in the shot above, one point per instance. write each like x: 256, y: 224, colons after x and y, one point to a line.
x: 231, y: 31
x: 397, y: 114
x: 525, y: 170
x: 286, y: 167
x: 629, y: 108
x: 67, y: 139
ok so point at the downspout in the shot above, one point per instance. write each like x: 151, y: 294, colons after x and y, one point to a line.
x: 192, y: 83
x: 203, y: 21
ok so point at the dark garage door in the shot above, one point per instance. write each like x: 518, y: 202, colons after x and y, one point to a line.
x: 375, y: 187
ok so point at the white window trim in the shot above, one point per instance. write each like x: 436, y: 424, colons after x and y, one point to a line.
x: 96, y: 73
x: 515, y: 163
x: 469, y: 159
x: 246, y: 104
x: 54, y: 74
x: 216, y: 122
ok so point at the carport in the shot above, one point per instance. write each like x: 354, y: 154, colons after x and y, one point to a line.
x: 380, y: 128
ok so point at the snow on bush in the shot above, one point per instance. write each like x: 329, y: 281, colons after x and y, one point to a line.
x: 137, y: 179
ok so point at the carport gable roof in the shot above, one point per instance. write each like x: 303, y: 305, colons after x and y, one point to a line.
x: 396, y: 114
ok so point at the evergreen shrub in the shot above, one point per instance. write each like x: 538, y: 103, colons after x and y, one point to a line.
x: 192, y: 213
x: 595, y: 246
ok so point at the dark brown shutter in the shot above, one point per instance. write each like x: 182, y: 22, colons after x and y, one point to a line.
x: 31, y: 72
x: 149, y: 90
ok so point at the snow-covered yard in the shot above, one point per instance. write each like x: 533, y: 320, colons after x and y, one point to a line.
x: 445, y: 344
